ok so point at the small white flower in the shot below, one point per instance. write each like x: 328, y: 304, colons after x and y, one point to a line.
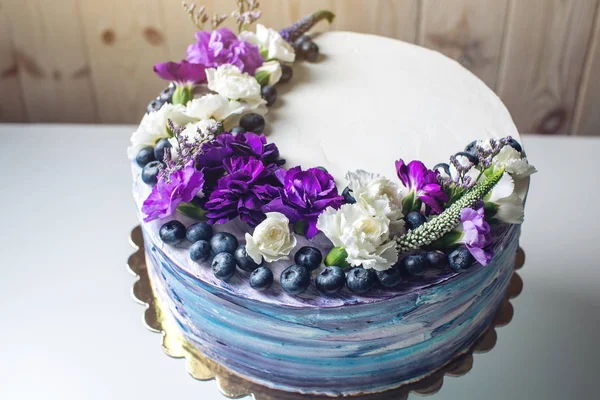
x: 514, y: 162
x: 509, y: 204
x: 154, y: 127
x: 365, y: 237
x: 271, y: 44
x: 195, y: 130
x: 272, y: 69
x: 229, y: 81
x: 271, y: 239
x: 377, y: 194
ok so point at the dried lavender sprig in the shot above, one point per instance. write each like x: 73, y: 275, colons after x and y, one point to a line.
x: 198, y: 17
x: 462, y: 180
x: 247, y: 13
x: 299, y: 28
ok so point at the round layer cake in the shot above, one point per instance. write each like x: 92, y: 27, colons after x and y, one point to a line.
x: 368, y: 102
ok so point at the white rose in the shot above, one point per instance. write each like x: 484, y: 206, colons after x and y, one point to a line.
x: 377, y: 194
x: 229, y: 81
x: 272, y: 69
x: 271, y: 44
x: 509, y: 205
x: 154, y: 127
x: 271, y: 239
x: 514, y: 162
x: 365, y: 237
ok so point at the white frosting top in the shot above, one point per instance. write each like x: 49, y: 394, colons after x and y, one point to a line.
x: 372, y: 100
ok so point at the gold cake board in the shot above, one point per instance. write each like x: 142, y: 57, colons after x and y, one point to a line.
x: 234, y: 386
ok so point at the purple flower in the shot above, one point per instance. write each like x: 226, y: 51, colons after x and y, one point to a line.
x: 182, y: 72
x: 222, y: 46
x: 476, y: 234
x: 227, y: 145
x: 304, y: 196
x: 243, y: 192
x: 423, y: 183
x: 183, y: 186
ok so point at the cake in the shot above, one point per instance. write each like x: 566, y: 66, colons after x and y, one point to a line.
x: 357, y: 237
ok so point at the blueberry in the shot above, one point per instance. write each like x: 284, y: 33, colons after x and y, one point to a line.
x: 269, y: 93
x: 414, y: 219
x: 389, y: 278
x: 223, y: 242
x: 161, y: 146
x: 244, y: 261
x: 154, y: 105
x: 331, y: 280
x: 223, y: 266
x: 309, y: 257
x: 347, y: 194
x: 471, y: 148
x: 460, y: 259
x: 253, y: 123
x: 309, y: 50
x: 360, y: 280
x: 295, y: 279
x: 515, y: 145
x: 167, y: 94
x: 172, y: 232
x: 236, y: 130
x: 145, y: 156
x: 471, y: 157
x: 415, y: 264
x: 200, y: 251
x: 287, y: 73
x: 261, y: 279
x: 300, y: 40
x: 200, y: 231
x: 437, y: 259
x: 150, y: 173
x: 443, y: 166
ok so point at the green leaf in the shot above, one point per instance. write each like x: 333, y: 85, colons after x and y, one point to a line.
x: 262, y: 77
x: 300, y: 228
x: 448, y: 241
x: 192, y: 210
x: 337, y: 256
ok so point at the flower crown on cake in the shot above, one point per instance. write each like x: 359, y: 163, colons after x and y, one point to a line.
x: 201, y: 148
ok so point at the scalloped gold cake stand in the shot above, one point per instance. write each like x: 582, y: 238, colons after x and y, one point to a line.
x: 234, y: 386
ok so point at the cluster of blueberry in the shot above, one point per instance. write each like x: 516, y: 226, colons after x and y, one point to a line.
x: 166, y: 96
x: 306, y: 49
x: 150, y: 159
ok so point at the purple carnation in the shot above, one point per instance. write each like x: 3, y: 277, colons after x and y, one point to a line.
x: 183, y: 186
x: 182, y: 72
x: 243, y: 192
x: 304, y: 196
x: 221, y: 47
x: 227, y: 145
x: 416, y: 177
x: 476, y: 234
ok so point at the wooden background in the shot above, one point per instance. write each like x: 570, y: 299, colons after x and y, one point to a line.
x: 91, y: 60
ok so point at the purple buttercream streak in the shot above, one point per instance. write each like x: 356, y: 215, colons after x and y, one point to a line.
x: 304, y: 196
x: 222, y: 46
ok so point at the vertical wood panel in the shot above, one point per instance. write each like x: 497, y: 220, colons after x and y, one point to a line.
x: 125, y: 39
x: 587, y: 118
x: 11, y: 106
x: 51, y: 60
x: 546, y: 44
x: 469, y: 31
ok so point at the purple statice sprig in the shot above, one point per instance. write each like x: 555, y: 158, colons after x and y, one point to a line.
x: 200, y: 17
x: 291, y: 33
x: 462, y: 179
x: 487, y: 154
x: 247, y: 13
x: 186, y: 152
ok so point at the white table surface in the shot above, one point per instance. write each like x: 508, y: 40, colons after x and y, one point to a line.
x: 70, y: 330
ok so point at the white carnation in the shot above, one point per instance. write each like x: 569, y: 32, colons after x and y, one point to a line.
x: 154, y: 127
x: 271, y: 240
x: 271, y: 44
x: 365, y: 237
x: 514, y: 162
x: 510, y: 206
x: 229, y: 81
x: 377, y: 194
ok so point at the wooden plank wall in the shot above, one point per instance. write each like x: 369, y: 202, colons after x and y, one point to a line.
x: 90, y: 61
